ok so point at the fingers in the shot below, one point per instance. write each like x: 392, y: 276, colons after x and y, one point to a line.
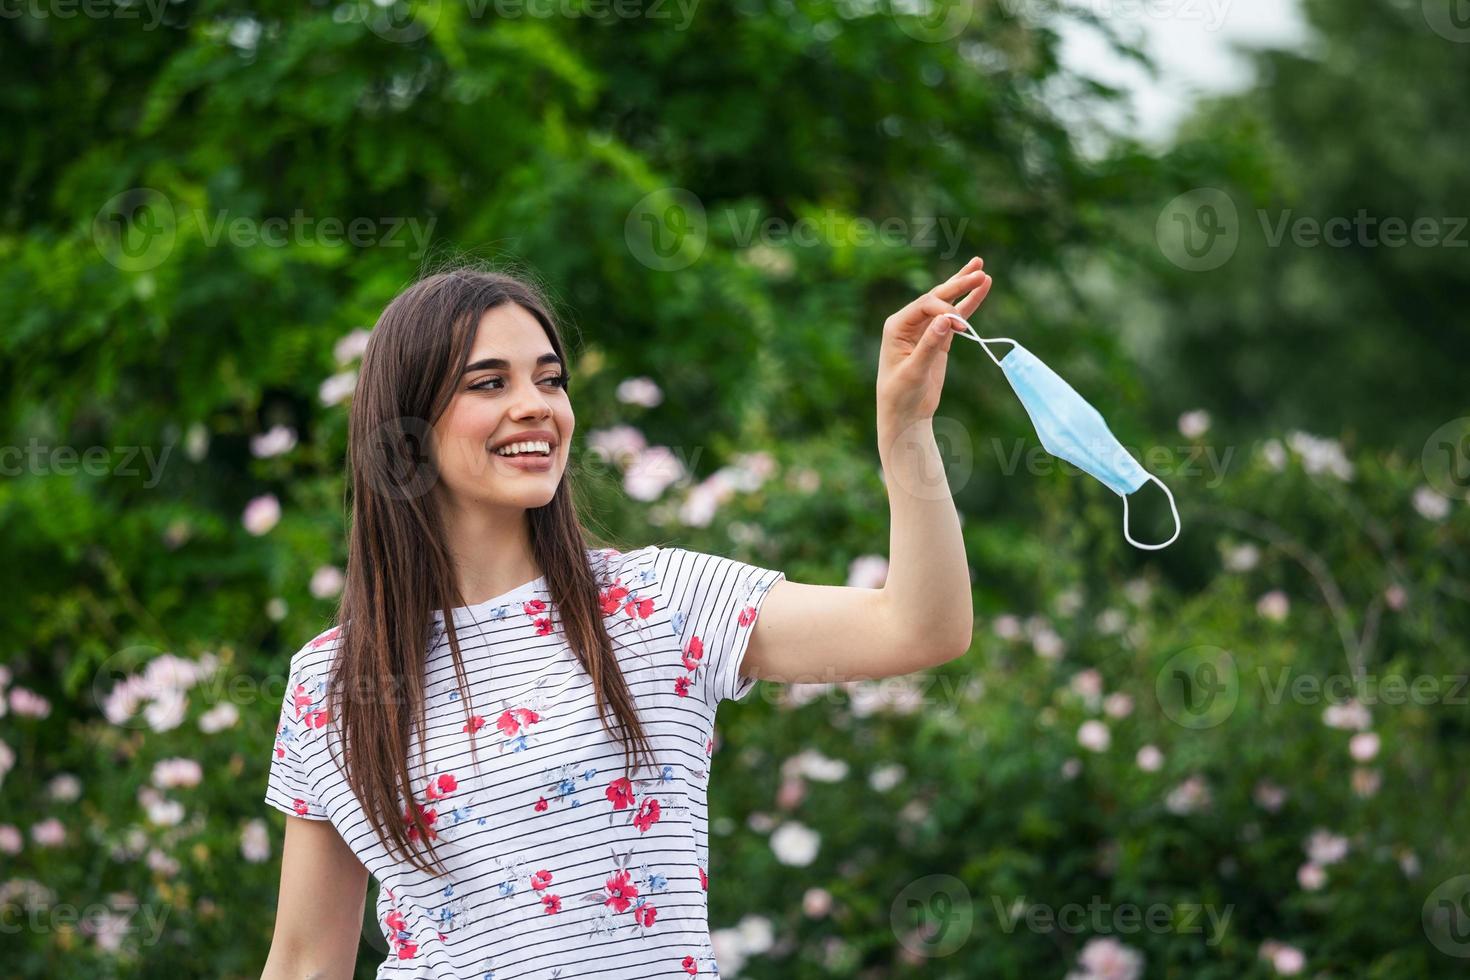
x: 972, y: 302
x: 970, y: 278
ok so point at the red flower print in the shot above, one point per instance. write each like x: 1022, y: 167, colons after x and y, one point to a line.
x: 620, y: 792
x: 474, y: 724
x: 429, y: 816
x: 709, y: 746
x: 681, y: 686
x: 552, y: 903
x: 406, y: 950
x: 326, y: 637
x: 703, y: 879
x: 299, y: 805
x: 647, y: 815
x: 280, y: 751
x: 747, y: 615
x: 644, y: 916
x: 441, y: 787
x: 316, y: 719
x: 533, y: 607
x: 621, y: 891
x: 395, y: 921
x: 541, y: 805
x: 693, y: 654
x: 540, y: 880
x: 612, y: 598
x: 690, y: 967
x: 543, y: 626
x: 512, y: 719
x: 301, y: 699
x: 639, y: 608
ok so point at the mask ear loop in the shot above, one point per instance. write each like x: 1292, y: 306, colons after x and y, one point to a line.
x: 1177, y: 526
x: 970, y: 334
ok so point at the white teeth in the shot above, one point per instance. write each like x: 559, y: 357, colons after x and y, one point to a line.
x: 524, y: 447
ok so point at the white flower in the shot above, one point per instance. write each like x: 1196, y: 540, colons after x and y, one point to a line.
x: 276, y: 441
x: 1242, y: 558
x: 1111, y: 622
x: 1194, y: 424
x: 815, y: 766
x: 276, y: 609
x: 255, y: 841
x: 49, y: 832
x: 1047, y: 644
x: 885, y: 777
x: 651, y: 471
x: 165, y: 813
x: 352, y: 346
x: 1274, y: 605
x: 326, y: 582
x: 65, y: 788
x: 816, y: 902
x: 11, y: 840
x: 261, y: 514
x: 642, y: 391
x: 337, y: 388
x: 1286, y: 960
x: 1320, y: 455
x: 1364, y: 746
x: 7, y: 760
x: 1094, y: 736
x: 1071, y: 769
x: 1149, y: 758
x: 1006, y: 626
x: 166, y: 711
x: 867, y: 572
x: 1274, y: 455
x: 1188, y: 797
x: 756, y: 933
x: 1105, y: 958
x: 196, y: 442
x: 705, y: 498
x: 795, y: 844
x: 162, y: 863
x: 1325, y: 848
x: 217, y: 719
x: 1430, y: 505
x: 169, y: 773
x: 1311, y: 876
x: 619, y: 444
x: 1118, y: 705
x: 1347, y: 716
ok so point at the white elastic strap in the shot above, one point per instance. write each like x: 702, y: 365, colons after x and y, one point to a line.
x: 1177, y: 526
x: 969, y: 332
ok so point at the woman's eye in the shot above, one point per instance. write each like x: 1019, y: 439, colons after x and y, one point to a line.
x: 559, y: 380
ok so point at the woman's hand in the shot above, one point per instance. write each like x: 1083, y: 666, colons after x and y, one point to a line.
x: 915, y: 349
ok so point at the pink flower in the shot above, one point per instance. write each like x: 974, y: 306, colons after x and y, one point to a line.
x: 620, y: 891
x: 1311, y: 876
x: 540, y: 880
x: 49, y: 832
x: 261, y: 514
x: 1274, y: 605
x: 1094, y: 736
x: 1286, y: 960
x: 1363, y: 746
x: 620, y: 793
x: 1269, y: 796
x: 1324, y: 847
x: 867, y: 572
x: 1149, y: 758
x: 28, y: 704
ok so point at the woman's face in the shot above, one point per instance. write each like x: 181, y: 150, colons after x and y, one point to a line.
x: 510, y: 389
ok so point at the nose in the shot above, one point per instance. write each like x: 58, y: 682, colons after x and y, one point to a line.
x: 530, y: 403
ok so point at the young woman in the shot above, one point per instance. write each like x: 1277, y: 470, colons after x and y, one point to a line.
x: 512, y: 730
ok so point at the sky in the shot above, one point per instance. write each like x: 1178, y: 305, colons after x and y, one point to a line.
x: 1190, y: 41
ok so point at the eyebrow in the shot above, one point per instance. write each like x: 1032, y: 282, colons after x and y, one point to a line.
x: 500, y: 364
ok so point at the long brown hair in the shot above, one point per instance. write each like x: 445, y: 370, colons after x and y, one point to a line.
x: 399, y: 569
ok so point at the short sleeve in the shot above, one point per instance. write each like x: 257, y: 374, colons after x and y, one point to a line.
x: 290, y: 787
x: 714, y: 604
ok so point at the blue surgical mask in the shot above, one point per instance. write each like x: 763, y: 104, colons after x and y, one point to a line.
x: 1070, y: 428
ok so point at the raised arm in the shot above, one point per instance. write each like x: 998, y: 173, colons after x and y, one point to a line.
x: 923, y: 615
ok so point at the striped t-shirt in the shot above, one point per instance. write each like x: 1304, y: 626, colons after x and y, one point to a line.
x: 558, y: 865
